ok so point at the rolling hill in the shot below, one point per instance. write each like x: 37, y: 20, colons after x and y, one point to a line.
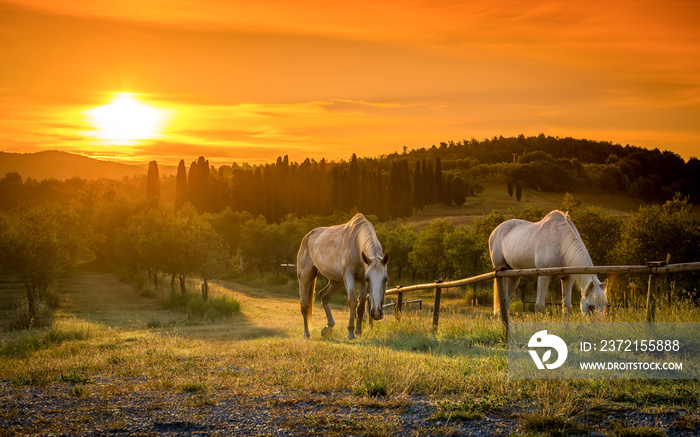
x: 53, y: 164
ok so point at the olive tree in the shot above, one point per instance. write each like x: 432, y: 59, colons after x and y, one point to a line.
x: 40, y: 245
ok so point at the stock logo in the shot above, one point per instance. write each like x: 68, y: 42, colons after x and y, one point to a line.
x: 543, y: 340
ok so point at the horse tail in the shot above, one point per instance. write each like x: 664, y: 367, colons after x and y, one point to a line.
x: 310, y: 299
x: 306, y: 273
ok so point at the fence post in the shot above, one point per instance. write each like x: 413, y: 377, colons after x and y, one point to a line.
x: 651, y: 296
x: 399, y: 305
x: 436, y: 308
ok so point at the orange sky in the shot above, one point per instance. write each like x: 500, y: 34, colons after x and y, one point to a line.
x: 249, y: 81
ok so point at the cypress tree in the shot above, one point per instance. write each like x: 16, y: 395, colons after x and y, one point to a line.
x: 428, y: 183
x: 391, y: 191
x: 191, y: 182
x: 153, y: 183
x: 198, y: 184
x: 438, y: 179
x: 446, y: 193
x: 381, y: 207
x: 406, y: 192
x: 418, y: 200
x: 258, y: 201
x: 181, y: 185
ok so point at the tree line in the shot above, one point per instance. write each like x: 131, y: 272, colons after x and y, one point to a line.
x: 399, y: 184
x: 41, y: 243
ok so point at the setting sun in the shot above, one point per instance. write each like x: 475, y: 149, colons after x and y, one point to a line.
x: 126, y: 119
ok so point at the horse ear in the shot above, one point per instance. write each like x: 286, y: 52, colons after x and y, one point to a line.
x: 385, y: 259
x: 604, y: 285
x: 364, y: 258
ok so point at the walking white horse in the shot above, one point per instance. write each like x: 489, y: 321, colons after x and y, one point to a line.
x: 343, y: 254
x: 554, y: 241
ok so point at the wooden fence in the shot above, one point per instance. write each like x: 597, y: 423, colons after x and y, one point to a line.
x: 653, y: 269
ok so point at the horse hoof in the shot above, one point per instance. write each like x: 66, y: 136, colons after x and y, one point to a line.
x: 358, y: 332
x: 326, y: 332
x: 350, y: 336
x: 307, y: 336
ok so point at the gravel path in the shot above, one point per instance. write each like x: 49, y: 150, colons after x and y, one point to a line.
x: 97, y: 409
x: 124, y: 407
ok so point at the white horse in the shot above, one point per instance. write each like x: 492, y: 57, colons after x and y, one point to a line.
x: 554, y: 241
x: 343, y: 254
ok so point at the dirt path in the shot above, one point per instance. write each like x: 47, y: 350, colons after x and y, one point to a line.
x: 98, y: 297
x: 102, y: 298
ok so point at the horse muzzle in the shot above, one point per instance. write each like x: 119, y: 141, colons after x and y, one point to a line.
x: 378, y: 314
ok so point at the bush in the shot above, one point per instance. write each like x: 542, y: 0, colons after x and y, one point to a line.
x: 599, y: 231
x: 193, y: 305
x: 22, y: 318
x: 656, y: 231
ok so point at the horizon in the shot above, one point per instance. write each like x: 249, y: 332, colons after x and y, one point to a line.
x: 172, y: 166
x: 243, y: 82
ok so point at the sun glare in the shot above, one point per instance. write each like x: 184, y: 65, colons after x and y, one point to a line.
x: 126, y: 120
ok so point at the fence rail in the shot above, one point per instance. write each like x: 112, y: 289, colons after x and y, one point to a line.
x: 653, y: 269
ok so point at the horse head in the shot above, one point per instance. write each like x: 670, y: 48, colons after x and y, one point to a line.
x: 375, y: 280
x: 596, y: 298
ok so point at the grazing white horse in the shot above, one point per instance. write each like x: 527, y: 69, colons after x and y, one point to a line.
x: 554, y: 241
x: 343, y: 254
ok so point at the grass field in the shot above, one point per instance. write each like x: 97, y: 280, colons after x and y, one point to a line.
x: 109, y: 343
x: 495, y: 196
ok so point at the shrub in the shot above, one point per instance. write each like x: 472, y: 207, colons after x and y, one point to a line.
x: 193, y: 305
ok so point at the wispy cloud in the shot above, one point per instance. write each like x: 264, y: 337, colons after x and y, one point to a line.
x: 259, y: 79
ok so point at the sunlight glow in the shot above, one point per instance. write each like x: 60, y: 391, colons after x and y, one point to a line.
x: 126, y: 120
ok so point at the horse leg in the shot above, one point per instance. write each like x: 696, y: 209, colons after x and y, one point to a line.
x: 325, y: 295
x: 307, y: 285
x: 352, y: 303
x: 542, y: 285
x: 567, y: 283
x: 361, y: 308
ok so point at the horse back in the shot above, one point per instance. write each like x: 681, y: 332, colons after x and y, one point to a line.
x: 520, y: 244
x: 326, y: 249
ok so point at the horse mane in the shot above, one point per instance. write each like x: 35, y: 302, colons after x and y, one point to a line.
x: 576, y: 254
x: 366, y: 236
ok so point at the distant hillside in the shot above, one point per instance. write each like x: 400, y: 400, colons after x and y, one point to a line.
x: 53, y: 164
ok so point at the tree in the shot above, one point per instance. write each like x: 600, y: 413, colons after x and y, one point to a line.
x: 569, y: 204
x: 255, y: 243
x: 418, y: 195
x: 398, y: 241
x: 438, y: 179
x: 462, y: 255
x: 446, y: 191
x: 206, y: 251
x: 198, y: 184
x: 518, y: 190
x: 599, y: 231
x: 483, y: 227
x: 429, y: 192
x: 181, y: 185
x: 399, y: 190
x: 460, y: 190
x: 41, y: 245
x: 656, y: 231
x: 428, y: 253
x: 354, y: 182
x: 153, y: 183
x: 151, y: 234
